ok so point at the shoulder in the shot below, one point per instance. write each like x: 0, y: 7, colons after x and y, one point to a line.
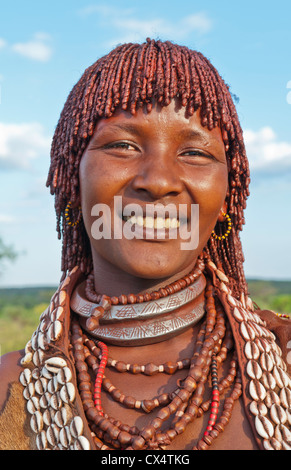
x: 281, y: 327
x: 10, y: 369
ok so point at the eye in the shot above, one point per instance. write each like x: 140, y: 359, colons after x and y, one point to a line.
x: 196, y: 156
x: 120, y: 146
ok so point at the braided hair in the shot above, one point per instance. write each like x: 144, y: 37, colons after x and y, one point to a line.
x: 129, y: 77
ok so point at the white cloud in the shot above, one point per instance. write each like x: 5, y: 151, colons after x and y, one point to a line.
x: 130, y: 28
x: 266, y: 153
x: 21, y: 143
x: 6, y: 219
x: 2, y: 43
x: 104, y: 10
x: 198, y: 22
x: 35, y: 49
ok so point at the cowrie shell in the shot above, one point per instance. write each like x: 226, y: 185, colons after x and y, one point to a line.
x: 247, y: 331
x: 26, y: 359
x: 272, y: 398
x: 64, y: 375
x: 239, y: 315
x: 56, y: 401
x: 264, y: 427
x: 63, y: 416
x: 272, y: 444
x: 251, y: 350
x: 278, y: 415
x: 68, y: 393
x: 25, y: 377
x: 266, y: 362
x: 38, y: 357
x: 36, y: 422
x: 41, y: 386
x: 224, y: 288
x: 282, y: 433
x: 47, y: 417
x: 44, y: 400
x: 65, y: 437
x: 53, y: 385
x: 222, y: 276
x: 57, y: 314
x: 285, y: 397
x: 231, y: 300
x: 250, y: 304
x: 263, y: 344
x: 55, y: 330
x: 33, y: 405
x: 41, y: 441
x: 258, y: 408
x: 281, y: 377
x: 253, y: 369
x: 62, y: 297
x: 29, y: 391
x: 268, y: 381
x: 54, y: 364
x: 257, y: 390
x: 212, y: 265
x: 81, y: 443
x: 76, y: 427
x: 52, y: 434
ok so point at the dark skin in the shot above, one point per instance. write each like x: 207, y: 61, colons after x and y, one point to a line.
x: 162, y: 157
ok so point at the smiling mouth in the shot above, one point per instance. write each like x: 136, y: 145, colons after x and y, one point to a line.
x: 150, y: 222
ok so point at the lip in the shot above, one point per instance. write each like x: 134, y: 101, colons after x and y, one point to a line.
x: 149, y: 233
x: 156, y: 223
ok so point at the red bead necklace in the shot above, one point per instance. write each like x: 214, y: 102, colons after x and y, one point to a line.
x: 99, y: 377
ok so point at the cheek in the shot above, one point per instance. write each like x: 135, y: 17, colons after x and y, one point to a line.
x: 94, y: 182
x: 209, y: 191
x: 100, y: 182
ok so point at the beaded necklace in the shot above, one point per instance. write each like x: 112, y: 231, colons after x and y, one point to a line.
x: 59, y: 356
x: 144, y: 319
x: 179, y: 407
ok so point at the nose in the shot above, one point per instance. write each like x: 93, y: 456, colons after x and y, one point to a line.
x: 158, y: 176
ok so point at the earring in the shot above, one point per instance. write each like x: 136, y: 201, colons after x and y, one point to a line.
x: 68, y: 218
x: 227, y: 231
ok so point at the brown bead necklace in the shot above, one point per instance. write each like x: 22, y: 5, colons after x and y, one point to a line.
x: 176, y: 286
x: 178, y: 408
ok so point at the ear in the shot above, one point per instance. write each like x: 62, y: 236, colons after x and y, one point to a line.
x: 77, y: 203
x: 223, y: 210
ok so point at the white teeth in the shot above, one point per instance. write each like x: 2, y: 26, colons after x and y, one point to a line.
x: 151, y: 222
x: 139, y: 221
x: 159, y: 223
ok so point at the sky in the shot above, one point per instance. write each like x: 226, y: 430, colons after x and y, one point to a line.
x: 44, y: 49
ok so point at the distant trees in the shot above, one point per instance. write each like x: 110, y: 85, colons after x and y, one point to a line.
x: 7, y: 253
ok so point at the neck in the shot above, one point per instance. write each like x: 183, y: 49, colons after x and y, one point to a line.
x: 112, y: 281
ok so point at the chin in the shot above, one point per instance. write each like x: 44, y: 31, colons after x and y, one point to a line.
x: 157, y: 267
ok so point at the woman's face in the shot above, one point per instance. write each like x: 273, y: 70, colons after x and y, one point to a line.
x: 152, y: 160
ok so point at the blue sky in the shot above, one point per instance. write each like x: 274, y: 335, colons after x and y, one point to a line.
x: 45, y: 47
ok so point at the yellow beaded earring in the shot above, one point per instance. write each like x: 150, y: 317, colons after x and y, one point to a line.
x: 68, y: 217
x: 228, y: 229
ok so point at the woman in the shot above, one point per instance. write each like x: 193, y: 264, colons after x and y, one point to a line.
x: 150, y: 178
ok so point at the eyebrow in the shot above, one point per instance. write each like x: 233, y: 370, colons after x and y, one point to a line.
x: 185, y: 133
x: 130, y: 128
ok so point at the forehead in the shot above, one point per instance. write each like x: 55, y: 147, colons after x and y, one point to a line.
x: 169, y: 121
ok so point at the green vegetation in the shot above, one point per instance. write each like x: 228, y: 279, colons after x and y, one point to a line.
x: 273, y: 295
x: 20, y: 308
